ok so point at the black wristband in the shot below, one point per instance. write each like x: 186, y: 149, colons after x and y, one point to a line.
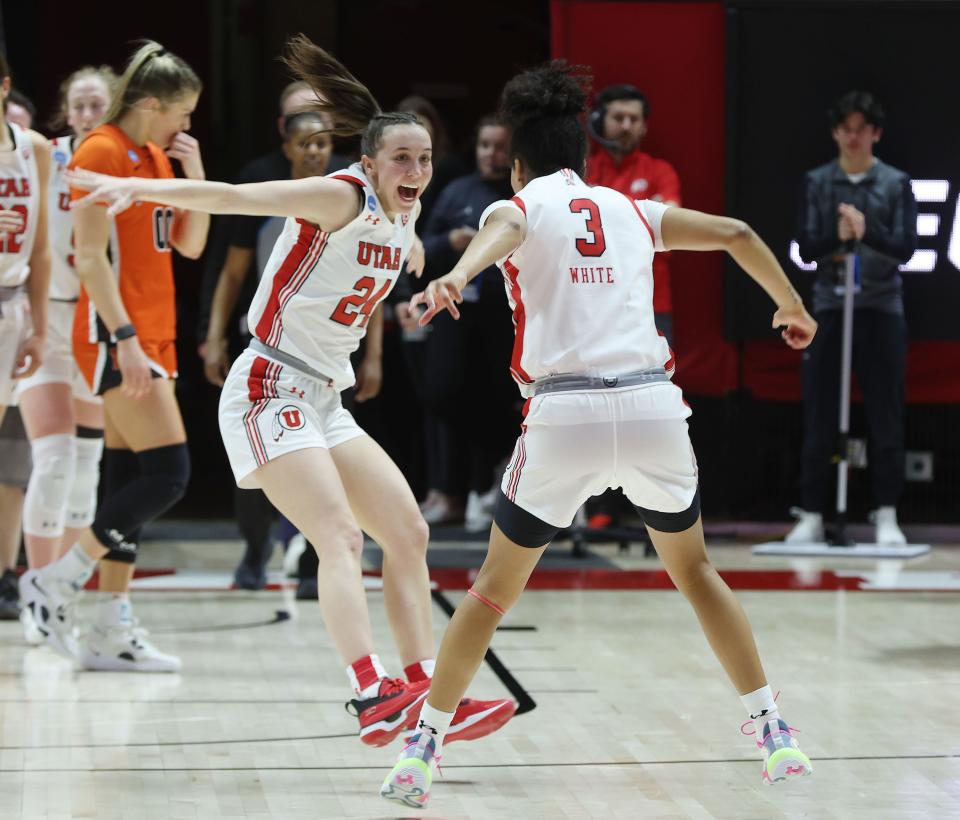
x: 124, y: 332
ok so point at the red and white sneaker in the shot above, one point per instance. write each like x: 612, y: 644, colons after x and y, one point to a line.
x: 475, y: 718
x: 394, y: 708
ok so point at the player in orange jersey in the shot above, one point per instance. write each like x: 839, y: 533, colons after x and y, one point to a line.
x: 124, y: 335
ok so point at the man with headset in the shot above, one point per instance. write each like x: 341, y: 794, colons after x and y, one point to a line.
x: 618, y: 124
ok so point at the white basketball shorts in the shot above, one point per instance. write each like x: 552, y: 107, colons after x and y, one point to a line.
x: 268, y: 409
x: 59, y: 366
x: 575, y: 445
x: 15, y: 327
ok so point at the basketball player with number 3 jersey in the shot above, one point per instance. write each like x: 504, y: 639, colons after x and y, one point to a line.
x: 602, y: 411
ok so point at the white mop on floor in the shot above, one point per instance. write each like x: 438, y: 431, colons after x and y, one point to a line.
x: 841, y: 546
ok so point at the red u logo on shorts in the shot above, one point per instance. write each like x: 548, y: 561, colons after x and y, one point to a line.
x: 290, y: 417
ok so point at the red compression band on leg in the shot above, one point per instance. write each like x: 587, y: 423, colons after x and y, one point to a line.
x: 485, y: 601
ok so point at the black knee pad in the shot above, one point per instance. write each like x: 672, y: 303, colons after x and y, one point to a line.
x: 168, y: 470
x: 521, y: 527
x: 163, y: 478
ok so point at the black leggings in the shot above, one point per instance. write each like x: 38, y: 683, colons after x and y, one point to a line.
x: 879, y: 363
x: 467, y: 387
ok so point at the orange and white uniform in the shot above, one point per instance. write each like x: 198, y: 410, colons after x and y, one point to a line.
x: 140, y: 254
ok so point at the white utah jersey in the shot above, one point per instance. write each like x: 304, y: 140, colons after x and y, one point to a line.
x: 581, y: 283
x: 319, y: 289
x: 64, y: 282
x: 19, y: 191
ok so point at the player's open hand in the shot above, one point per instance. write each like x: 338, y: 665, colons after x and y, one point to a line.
x: 444, y: 293
x: 799, y: 327
x: 117, y: 193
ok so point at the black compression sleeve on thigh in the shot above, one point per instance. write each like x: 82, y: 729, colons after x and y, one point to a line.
x: 672, y: 522
x: 164, y: 473
x: 521, y: 527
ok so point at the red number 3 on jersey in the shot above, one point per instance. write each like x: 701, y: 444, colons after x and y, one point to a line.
x: 360, y: 304
x: 596, y: 244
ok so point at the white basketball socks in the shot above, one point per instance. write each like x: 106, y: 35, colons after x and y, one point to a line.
x: 434, y: 723
x: 761, y: 707
x: 75, y: 567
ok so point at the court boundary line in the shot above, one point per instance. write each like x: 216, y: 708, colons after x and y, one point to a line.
x: 565, y: 765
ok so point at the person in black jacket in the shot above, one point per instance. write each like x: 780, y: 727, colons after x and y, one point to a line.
x: 860, y: 203
x: 473, y: 407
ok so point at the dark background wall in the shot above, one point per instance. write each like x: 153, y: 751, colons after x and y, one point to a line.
x: 738, y: 92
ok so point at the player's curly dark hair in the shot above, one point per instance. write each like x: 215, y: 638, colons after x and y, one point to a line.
x: 542, y: 107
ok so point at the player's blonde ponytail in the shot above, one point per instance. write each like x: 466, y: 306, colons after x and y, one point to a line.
x: 152, y: 72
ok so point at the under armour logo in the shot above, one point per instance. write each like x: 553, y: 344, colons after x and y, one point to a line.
x: 297, y: 391
x: 405, y: 779
x: 427, y: 726
x: 610, y: 381
x: 373, y: 220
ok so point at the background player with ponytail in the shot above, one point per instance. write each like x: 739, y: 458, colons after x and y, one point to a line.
x: 62, y: 416
x: 602, y: 411
x: 342, y: 248
x: 124, y: 336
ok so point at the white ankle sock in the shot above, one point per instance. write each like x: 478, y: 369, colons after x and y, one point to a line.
x: 435, y: 723
x: 75, y: 567
x: 114, y: 610
x: 759, y: 703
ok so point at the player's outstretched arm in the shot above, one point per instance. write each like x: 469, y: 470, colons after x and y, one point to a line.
x: 329, y: 203
x: 683, y: 229
x: 500, y: 236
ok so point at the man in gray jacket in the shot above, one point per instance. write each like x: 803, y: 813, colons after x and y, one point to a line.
x: 858, y: 203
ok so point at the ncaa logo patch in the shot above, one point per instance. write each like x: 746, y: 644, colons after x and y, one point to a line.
x: 134, y: 156
x: 372, y: 202
x: 59, y: 157
x: 289, y: 417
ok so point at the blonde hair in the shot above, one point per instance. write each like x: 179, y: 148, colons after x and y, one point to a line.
x: 152, y: 72
x: 103, y: 73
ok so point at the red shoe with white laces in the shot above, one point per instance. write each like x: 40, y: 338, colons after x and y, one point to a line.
x: 394, y: 708
x: 475, y: 718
